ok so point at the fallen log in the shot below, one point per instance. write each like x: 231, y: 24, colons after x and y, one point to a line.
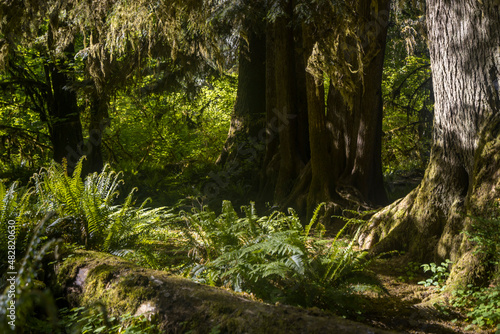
x: 180, y: 305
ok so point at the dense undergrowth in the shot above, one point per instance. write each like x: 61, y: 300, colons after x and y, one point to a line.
x: 276, y: 258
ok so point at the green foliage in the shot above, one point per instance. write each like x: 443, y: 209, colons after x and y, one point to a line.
x: 439, y: 276
x: 96, y: 320
x: 274, y: 257
x: 87, y: 213
x: 15, y: 214
x: 78, y: 211
x: 410, y: 272
x: 481, y: 305
x: 484, y: 234
x: 24, y: 139
x: 29, y: 292
x: 163, y: 141
x: 407, y: 92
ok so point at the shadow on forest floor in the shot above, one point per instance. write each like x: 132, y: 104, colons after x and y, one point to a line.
x: 408, y: 307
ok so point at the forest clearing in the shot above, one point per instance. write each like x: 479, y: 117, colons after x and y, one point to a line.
x: 264, y: 166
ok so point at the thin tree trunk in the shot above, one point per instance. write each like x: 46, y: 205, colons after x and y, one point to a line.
x: 98, y: 122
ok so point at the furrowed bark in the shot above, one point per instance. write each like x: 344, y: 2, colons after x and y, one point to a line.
x: 461, y: 179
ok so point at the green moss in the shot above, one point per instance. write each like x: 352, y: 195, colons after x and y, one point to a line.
x: 107, y: 280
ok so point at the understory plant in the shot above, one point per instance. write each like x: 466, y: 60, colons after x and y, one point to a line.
x: 273, y: 257
x: 87, y: 212
x: 481, y: 304
x: 440, y: 273
x: 81, y: 320
x: 25, y: 300
x: 82, y: 212
x: 16, y: 224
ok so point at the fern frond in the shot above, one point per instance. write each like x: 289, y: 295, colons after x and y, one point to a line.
x: 308, y: 227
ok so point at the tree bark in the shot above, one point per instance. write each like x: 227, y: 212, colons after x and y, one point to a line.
x: 99, y: 119
x: 179, y: 305
x: 248, y: 116
x: 463, y: 38
x: 65, y: 127
x: 291, y: 109
x: 346, y: 140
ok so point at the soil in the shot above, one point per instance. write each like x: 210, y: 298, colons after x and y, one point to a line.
x: 408, y: 307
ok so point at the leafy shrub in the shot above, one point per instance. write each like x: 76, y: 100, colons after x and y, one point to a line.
x: 484, y: 234
x: 482, y: 305
x: 410, y: 271
x: 440, y: 274
x: 274, y: 257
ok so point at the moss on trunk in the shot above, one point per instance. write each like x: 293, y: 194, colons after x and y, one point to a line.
x: 420, y: 224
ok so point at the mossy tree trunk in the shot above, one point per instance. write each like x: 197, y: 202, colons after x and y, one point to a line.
x: 463, y: 176
x: 346, y: 139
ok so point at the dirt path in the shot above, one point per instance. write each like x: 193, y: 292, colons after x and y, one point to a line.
x: 408, y: 307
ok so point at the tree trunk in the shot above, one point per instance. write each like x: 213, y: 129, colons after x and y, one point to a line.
x: 65, y: 127
x: 463, y: 173
x: 179, y: 305
x: 346, y: 141
x: 270, y: 164
x: 248, y: 117
x: 323, y: 167
x: 291, y: 107
x: 99, y: 119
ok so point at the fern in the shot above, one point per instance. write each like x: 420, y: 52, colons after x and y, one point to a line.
x: 16, y: 208
x: 87, y: 214
x: 272, y: 256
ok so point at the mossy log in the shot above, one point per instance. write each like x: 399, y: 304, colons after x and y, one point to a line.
x: 179, y: 305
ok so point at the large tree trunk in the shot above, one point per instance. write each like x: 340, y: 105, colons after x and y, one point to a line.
x: 346, y: 140
x: 179, y: 305
x: 248, y: 116
x: 463, y: 173
x: 291, y: 110
x: 309, y: 153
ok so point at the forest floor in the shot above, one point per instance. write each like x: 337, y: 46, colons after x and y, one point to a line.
x: 408, y: 307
